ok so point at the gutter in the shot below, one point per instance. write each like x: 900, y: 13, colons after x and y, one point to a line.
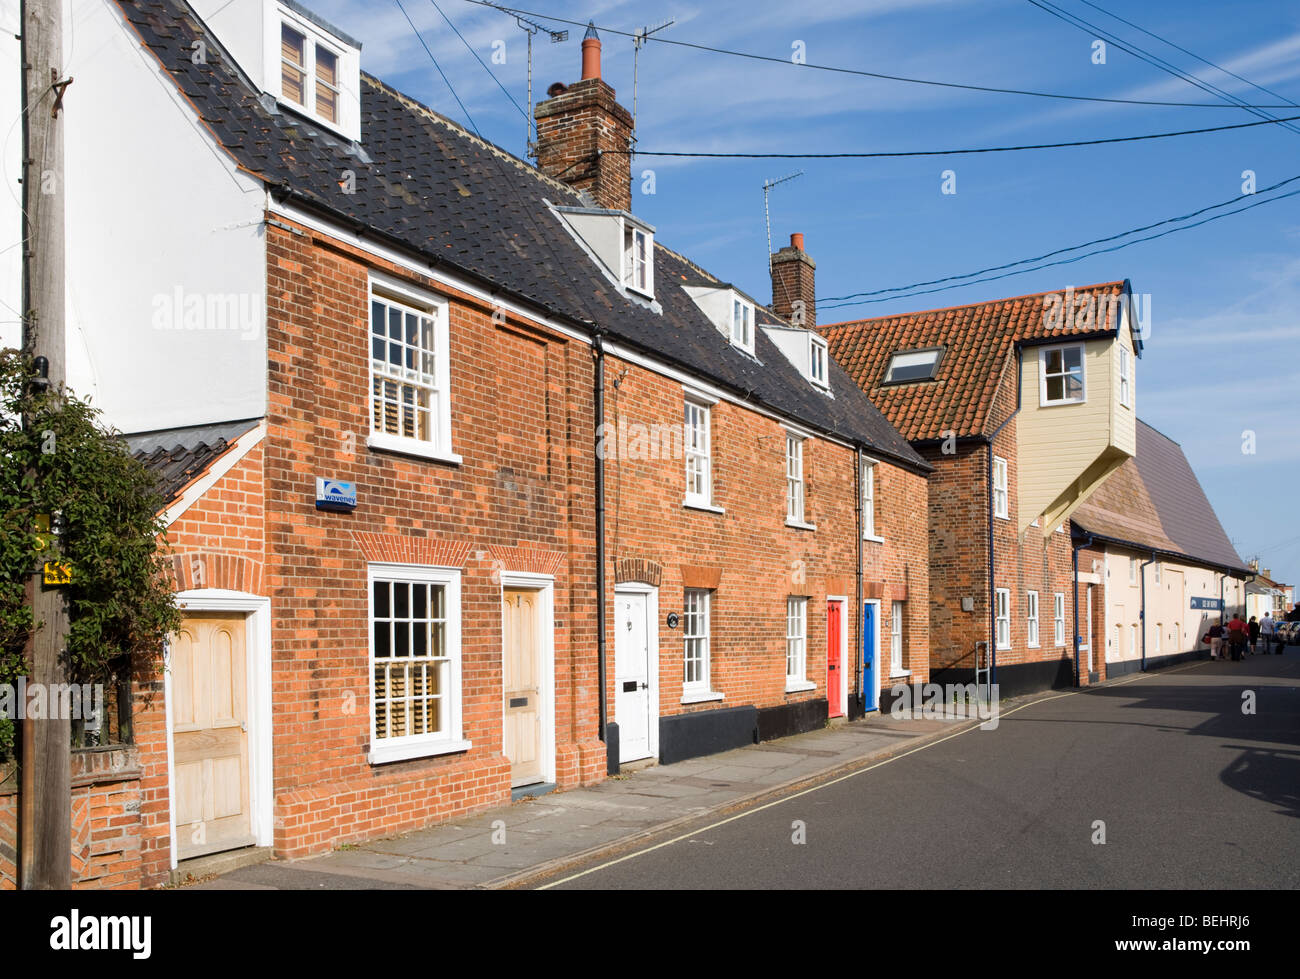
x: 1074, y: 557
x: 598, y: 355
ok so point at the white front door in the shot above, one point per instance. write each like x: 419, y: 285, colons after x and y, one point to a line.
x: 632, y: 696
x: 522, y: 739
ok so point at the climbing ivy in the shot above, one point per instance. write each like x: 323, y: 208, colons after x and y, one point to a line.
x: 121, y: 603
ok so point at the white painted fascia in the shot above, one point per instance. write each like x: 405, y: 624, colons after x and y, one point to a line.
x: 195, y: 491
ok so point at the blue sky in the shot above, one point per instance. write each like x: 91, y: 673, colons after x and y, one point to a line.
x: 1223, y: 354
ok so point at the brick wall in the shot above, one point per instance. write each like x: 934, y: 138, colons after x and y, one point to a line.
x: 747, y: 554
x: 520, y: 501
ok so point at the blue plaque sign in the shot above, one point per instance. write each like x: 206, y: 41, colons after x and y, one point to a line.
x: 334, y: 494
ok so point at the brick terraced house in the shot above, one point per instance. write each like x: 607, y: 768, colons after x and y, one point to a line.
x: 1024, y: 407
x: 475, y: 488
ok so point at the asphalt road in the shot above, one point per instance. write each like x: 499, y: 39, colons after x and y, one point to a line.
x: 1193, y: 792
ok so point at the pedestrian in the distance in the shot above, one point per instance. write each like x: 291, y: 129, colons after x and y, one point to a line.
x: 1238, y: 632
x: 1253, y: 634
x: 1215, y: 638
x: 1267, y: 630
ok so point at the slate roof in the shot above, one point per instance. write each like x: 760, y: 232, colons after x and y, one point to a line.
x: 178, y: 456
x: 1154, y: 500
x: 424, y: 183
x: 977, y: 340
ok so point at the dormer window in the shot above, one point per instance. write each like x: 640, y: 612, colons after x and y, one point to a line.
x: 817, y: 360
x: 742, y: 324
x: 638, y: 266
x: 309, y: 75
x: 908, y: 366
x: 312, y: 68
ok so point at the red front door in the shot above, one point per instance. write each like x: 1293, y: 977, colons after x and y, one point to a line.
x: 835, y: 658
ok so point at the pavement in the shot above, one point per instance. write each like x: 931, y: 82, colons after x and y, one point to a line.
x: 537, y: 837
x: 1182, y: 778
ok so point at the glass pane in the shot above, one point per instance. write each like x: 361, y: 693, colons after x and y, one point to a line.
x: 401, y: 639
x: 420, y: 632
x: 1073, y: 358
x: 1073, y: 386
x: 327, y: 105
x: 382, y: 648
x: 419, y: 601
x: 395, y: 323
x: 327, y: 65
x: 401, y: 600
x: 291, y: 45
x: 292, y: 84
x: 381, y: 599
x: 1055, y: 388
x: 1054, y: 362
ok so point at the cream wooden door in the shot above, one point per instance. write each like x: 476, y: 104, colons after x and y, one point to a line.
x: 210, y: 734
x: 521, y: 667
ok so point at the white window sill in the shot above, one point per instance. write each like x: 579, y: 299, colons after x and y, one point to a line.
x: 701, y: 505
x: 1062, y: 404
x: 700, y: 696
x: 900, y: 674
x: 1001, y: 516
x: 1033, y: 645
x: 383, y: 754
x: 384, y: 442
x: 1007, y: 646
x: 799, y: 686
x: 873, y: 538
x: 800, y: 525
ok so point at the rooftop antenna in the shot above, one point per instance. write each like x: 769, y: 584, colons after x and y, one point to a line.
x: 530, y: 27
x: 638, y: 42
x: 767, y: 212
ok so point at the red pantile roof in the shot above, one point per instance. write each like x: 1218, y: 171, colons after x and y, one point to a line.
x: 976, y: 341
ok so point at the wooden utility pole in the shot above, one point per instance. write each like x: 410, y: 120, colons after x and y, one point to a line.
x: 46, y: 821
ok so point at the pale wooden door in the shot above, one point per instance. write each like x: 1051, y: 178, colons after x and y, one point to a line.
x: 521, y: 655
x: 210, y: 734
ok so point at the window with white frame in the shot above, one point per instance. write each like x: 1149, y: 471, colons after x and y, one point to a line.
x: 1003, y: 596
x: 408, y: 373
x: 1058, y: 618
x: 696, y: 636
x: 1031, y: 617
x: 1001, y: 507
x: 896, y: 640
x: 817, y: 360
x: 742, y: 324
x: 1157, y: 574
x: 868, y: 498
x: 309, y: 74
x: 1125, y: 378
x: 638, y: 263
x: 699, y: 475
x: 415, y: 661
x: 796, y: 639
x: 794, y: 484
x: 913, y: 365
x: 1062, y: 375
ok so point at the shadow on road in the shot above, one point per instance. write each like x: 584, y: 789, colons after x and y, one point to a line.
x: 1269, y: 776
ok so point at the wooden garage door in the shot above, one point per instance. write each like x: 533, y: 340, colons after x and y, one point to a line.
x: 210, y: 734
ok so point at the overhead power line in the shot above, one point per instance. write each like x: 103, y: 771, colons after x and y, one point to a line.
x: 419, y: 37
x: 954, y: 152
x: 968, y: 279
x: 471, y: 50
x: 1143, y: 55
x: 874, y: 74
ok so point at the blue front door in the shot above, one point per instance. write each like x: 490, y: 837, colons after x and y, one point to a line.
x: 870, y: 682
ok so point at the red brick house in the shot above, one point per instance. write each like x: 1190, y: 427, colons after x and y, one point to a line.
x: 514, y: 494
x: 1023, y: 406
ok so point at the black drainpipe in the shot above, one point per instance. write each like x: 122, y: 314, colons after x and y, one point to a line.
x: 598, y: 352
x: 857, y: 668
x: 1142, y: 571
x: 1075, y: 559
x: 993, y: 585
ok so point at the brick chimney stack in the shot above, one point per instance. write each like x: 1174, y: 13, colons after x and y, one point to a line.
x: 579, y: 126
x: 794, y: 277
